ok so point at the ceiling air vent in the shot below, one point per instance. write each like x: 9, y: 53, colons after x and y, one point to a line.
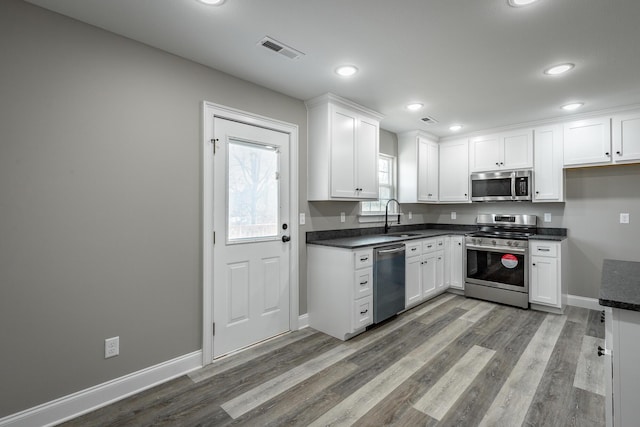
x: 280, y: 48
x: 429, y: 120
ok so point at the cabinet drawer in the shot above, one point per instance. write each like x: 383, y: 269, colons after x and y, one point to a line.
x: 440, y: 243
x: 413, y: 249
x: 363, y: 258
x: 549, y: 249
x: 363, y: 283
x: 430, y: 245
x: 362, y: 312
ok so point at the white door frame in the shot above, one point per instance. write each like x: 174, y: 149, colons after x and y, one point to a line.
x: 209, y: 111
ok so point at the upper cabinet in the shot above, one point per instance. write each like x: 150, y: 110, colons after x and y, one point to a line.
x: 587, y: 142
x: 548, y: 174
x: 626, y: 138
x: 454, y: 171
x: 342, y: 156
x: 505, y: 150
x: 417, y: 168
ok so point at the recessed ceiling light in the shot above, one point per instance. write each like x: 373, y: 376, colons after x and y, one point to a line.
x: 520, y: 3
x: 572, y: 106
x: 415, y: 106
x: 212, y: 2
x: 558, y: 69
x: 455, y: 128
x: 346, y: 70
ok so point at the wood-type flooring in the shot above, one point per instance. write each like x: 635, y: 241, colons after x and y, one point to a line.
x: 451, y: 361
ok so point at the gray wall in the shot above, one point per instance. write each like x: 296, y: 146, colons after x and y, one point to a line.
x: 100, y: 201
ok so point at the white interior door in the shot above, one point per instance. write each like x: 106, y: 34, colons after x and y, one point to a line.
x: 251, y: 253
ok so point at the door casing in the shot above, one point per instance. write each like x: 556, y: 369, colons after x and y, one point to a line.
x: 209, y: 111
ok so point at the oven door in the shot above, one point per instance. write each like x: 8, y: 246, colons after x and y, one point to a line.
x: 504, y: 268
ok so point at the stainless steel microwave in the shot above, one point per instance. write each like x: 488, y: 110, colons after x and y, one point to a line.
x: 501, y: 186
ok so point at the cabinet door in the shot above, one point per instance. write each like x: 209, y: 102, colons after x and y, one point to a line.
x: 548, y: 179
x: 545, y: 288
x: 485, y: 153
x: 427, y: 170
x: 457, y: 266
x: 362, y: 313
x: 626, y: 138
x: 343, y: 153
x: 587, y: 142
x: 454, y: 171
x: 366, y: 165
x: 413, y: 288
x: 517, y: 150
x: 440, y: 271
x: 428, y: 274
x: 447, y: 261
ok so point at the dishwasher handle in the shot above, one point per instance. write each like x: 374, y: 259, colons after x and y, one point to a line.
x: 391, y: 251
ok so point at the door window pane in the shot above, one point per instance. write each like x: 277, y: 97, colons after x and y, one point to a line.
x: 252, y: 188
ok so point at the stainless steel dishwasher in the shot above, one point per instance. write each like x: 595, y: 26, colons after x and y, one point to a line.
x: 388, y: 281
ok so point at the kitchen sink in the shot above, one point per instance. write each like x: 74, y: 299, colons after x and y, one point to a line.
x: 404, y: 234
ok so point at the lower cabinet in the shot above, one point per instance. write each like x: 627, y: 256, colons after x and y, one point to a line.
x: 547, y: 275
x: 455, y: 262
x: 339, y: 290
x: 425, y: 269
x: 622, y: 345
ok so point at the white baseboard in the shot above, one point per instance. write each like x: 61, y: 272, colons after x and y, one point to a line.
x: 584, y: 302
x: 303, y: 321
x: 73, y: 405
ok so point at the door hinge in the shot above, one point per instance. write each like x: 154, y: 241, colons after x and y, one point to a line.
x: 214, y: 329
x: 214, y: 141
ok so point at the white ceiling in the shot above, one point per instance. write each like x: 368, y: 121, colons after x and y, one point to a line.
x: 475, y: 62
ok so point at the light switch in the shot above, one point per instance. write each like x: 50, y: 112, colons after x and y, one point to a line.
x: 302, y: 218
x: 410, y: 215
x: 624, y: 218
x: 453, y: 215
x: 547, y: 217
x: 343, y: 217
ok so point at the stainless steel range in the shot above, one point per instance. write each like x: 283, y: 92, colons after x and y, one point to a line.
x: 497, y: 267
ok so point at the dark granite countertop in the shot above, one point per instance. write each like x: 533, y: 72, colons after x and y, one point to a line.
x: 356, y: 242
x: 620, y: 286
x: 547, y: 237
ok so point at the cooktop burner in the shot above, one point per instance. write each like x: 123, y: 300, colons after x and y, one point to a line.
x: 513, y: 227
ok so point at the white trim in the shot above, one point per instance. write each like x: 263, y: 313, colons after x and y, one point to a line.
x: 210, y: 110
x: 90, y: 399
x: 584, y: 302
x: 303, y: 321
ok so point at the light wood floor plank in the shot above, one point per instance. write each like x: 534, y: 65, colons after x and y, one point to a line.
x: 478, y: 312
x: 590, y: 370
x: 512, y: 402
x: 441, y: 397
x: 360, y: 402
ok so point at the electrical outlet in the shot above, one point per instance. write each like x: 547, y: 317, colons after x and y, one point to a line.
x: 624, y: 218
x: 547, y: 217
x: 343, y: 217
x: 111, y: 347
x: 302, y: 218
x: 454, y: 215
x: 410, y: 215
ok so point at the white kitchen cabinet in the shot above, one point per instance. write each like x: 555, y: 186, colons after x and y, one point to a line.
x: 342, y: 150
x: 625, y: 132
x: 339, y: 287
x: 424, y: 273
x: 454, y: 171
x: 622, y: 342
x: 547, y: 275
x: 587, y: 142
x: 548, y: 173
x: 456, y: 262
x: 417, y: 168
x: 501, y: 151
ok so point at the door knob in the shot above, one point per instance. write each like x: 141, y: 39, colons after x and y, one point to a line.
x: 285, y: 239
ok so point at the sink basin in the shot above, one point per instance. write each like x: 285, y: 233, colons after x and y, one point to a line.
x: 405, y: 234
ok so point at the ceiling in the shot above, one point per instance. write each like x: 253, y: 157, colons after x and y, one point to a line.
x: 475, y: 62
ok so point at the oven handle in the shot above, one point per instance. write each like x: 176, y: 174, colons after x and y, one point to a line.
x: 494, y: 249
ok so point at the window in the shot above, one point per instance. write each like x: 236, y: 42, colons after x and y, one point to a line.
x: 386, y: 188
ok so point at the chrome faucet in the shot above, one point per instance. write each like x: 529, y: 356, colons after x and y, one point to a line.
x: 386, y: 215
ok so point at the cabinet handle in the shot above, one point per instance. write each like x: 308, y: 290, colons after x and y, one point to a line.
x: 606, y: 154
x: 533, y: 263
x: 364, y: 312
x: 501, y: 163
x: 600, y: 351
x: 544, y: 249
x: 364, y: 283
x: 618, y: 153
x: 459, y: 244
x: 414, y: 249
x: 363, y: 259
x: 497, y: 164
x: 465, y: 194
